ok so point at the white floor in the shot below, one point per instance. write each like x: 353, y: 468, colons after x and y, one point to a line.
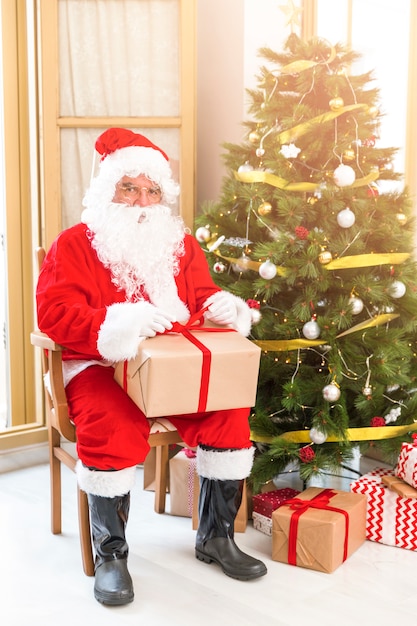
x: 42, y: 581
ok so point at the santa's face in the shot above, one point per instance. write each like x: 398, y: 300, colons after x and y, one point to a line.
x: 139, y: 191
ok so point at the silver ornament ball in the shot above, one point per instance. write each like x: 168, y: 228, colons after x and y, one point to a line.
x: 331, y: 392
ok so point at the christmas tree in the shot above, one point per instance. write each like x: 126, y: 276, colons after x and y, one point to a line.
x: 315, y: 231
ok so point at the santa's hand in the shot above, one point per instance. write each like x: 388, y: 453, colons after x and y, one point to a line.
x: 153, y: 320
x: 221, y: 308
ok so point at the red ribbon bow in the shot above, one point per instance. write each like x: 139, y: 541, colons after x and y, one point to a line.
x: 300, y: 506
x: 195, y: 323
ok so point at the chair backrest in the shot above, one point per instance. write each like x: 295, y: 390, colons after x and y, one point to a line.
x: 55, y: 398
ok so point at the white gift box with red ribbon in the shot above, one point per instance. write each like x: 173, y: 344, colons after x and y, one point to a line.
x: 390, y: 518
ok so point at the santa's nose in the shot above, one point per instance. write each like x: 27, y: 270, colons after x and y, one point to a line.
x: 141, y: 198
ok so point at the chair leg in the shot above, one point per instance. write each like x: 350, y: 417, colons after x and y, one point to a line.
x: 161, y: 477
x: 55, y: 481
x: 85, y: 533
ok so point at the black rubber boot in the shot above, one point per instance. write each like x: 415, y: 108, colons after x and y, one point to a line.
x: 113, y: 584
x: 218, y: 505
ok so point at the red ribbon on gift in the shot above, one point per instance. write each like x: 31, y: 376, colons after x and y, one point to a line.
x: 194, y: 323
x: 320, y: 501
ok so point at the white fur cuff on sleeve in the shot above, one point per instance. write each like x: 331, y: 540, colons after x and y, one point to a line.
x: 119, y: 334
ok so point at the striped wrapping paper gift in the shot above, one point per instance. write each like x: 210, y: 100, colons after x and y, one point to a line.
x: 390, y: 518
x: 407, y: 464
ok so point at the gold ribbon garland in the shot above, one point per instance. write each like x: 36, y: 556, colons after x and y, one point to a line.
x: 285, y: 345
x: 303, y: 64
x: 258, y: 176
x: 347, y: 262
x: 291, y: 134
x: 367, y: 433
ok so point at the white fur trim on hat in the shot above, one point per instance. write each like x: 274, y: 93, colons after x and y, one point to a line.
x: 105, y: 484
x: 120, y: 333
x: 225, y: 464
x: 131, y: 161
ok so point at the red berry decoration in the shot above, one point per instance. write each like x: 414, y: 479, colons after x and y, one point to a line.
x: 377, y: 421
x: 301, y: 232
x: 253, y: 304
x: 306, y: 454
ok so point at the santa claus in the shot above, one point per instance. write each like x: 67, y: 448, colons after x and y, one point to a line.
x: 127, y: 271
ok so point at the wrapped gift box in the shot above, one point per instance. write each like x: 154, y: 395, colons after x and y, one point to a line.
x: 407, y: 464
x: 172, y: 376
x: 319, y: 538
x: 266, y: 503
x: 399, y: 486
x: 262, y: 523
x: 182, y: 468
x: 390, y: 518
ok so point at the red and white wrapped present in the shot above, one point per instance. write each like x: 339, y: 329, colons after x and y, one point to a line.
x: 264, y: 504
x: 407, y: 464
x: 390, y: 518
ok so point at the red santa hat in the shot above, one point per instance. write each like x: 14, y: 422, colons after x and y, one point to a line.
x: 117, y: 138
x: 125, y: 153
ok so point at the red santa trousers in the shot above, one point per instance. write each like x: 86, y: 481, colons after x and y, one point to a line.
x: 112, y: 432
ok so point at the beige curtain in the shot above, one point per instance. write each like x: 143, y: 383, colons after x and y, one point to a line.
x: 117, y: 58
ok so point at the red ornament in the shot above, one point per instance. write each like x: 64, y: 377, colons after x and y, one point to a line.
x: 369, y: 142
x: 372, y: 191
x: 253, y: 304
x: 306, y: 454
x: 301, y: 232
x: 378, y: 421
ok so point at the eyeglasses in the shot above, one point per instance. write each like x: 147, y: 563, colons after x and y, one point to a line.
x: 131, y: 191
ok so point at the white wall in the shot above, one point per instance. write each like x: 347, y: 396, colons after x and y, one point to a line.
x: 229, y: 35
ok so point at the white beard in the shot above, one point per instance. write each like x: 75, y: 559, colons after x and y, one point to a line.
x: 141, y: 247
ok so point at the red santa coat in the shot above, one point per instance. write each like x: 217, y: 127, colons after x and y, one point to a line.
x: 75, y: 294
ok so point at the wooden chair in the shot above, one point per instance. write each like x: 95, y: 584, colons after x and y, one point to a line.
x: 61, y: 430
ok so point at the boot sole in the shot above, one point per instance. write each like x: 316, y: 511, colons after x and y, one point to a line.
x: 201, y: 556
x: 113, y: 601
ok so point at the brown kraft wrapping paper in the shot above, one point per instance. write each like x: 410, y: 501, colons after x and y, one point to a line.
x: 321, y: 541
x: 166, y: 376
x: 398, y: 485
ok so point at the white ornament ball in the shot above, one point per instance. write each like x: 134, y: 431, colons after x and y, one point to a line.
x: 356, y: 305
x: 202, y: 234
x: 331, y: 392
x: 397, y: 289
x: 317, y: 436
x: 242, y: 264
x: 346, y: 218
x: 267, y: 270
x: 219, y: 267
x: 246, y: 167
x: 344, y: 175
x: 311, y: 330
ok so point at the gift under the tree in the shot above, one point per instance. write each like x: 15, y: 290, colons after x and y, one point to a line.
x: 390, y: 518
x: 319, y: 529
x: 264, y: 504
x: 399, y: 486
x: 182, y: 468
x: 192, y: 371
x: 407, y: 464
